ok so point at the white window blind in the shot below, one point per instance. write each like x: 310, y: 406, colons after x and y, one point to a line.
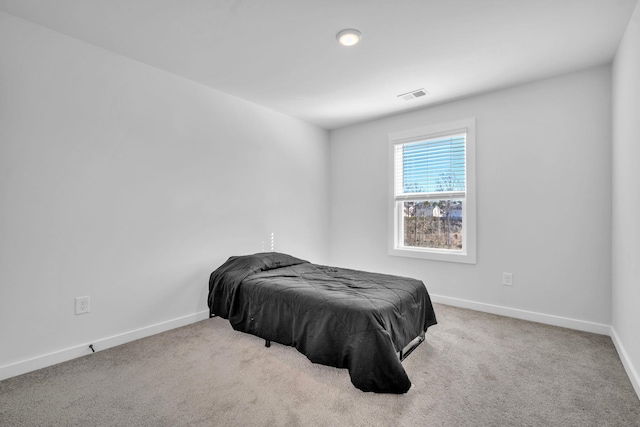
x: 431, y: 169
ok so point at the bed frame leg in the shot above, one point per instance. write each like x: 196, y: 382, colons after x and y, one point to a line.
x: 267, y: 343
x: 415, y: 343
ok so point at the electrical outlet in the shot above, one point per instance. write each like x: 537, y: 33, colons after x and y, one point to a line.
x: 82, y: 305
x: 507, y: 279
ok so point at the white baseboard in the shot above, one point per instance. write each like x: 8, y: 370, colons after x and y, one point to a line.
x: 60, y: 356
x: 50, y: 359
x: 548, y: 319
x: 626, y: 362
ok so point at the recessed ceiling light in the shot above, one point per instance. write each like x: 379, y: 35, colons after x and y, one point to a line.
x: 349, y: 37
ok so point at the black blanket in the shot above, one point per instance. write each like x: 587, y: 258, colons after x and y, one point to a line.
x: 335, y: 316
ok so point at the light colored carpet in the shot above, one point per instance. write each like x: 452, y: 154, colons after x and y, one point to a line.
x: 475, y: 369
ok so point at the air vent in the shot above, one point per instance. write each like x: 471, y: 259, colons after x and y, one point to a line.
x: 413, y: 94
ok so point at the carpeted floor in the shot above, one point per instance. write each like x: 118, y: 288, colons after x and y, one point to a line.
x: 475, y: 369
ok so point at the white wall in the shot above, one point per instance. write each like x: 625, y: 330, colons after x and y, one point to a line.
x: 544, y: 204
x: 626, y: 199
x: 130, y: 185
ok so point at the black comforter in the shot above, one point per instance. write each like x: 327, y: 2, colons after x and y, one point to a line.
x: 335, y: 316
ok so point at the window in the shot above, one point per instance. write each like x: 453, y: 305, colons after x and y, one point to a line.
x: 432, y: 211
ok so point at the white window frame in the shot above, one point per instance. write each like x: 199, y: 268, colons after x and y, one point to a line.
x: 468, y: 252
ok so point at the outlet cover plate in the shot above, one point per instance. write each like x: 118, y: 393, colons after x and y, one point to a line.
x: 82, y: 305
x: 507, y: 279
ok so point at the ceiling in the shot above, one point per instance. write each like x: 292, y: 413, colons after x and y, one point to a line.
x: 283, y: 55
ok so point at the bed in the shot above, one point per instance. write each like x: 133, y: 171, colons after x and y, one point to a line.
x: 351, y: 319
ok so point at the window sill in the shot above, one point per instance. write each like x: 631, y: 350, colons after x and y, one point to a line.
x: 435, y: 255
